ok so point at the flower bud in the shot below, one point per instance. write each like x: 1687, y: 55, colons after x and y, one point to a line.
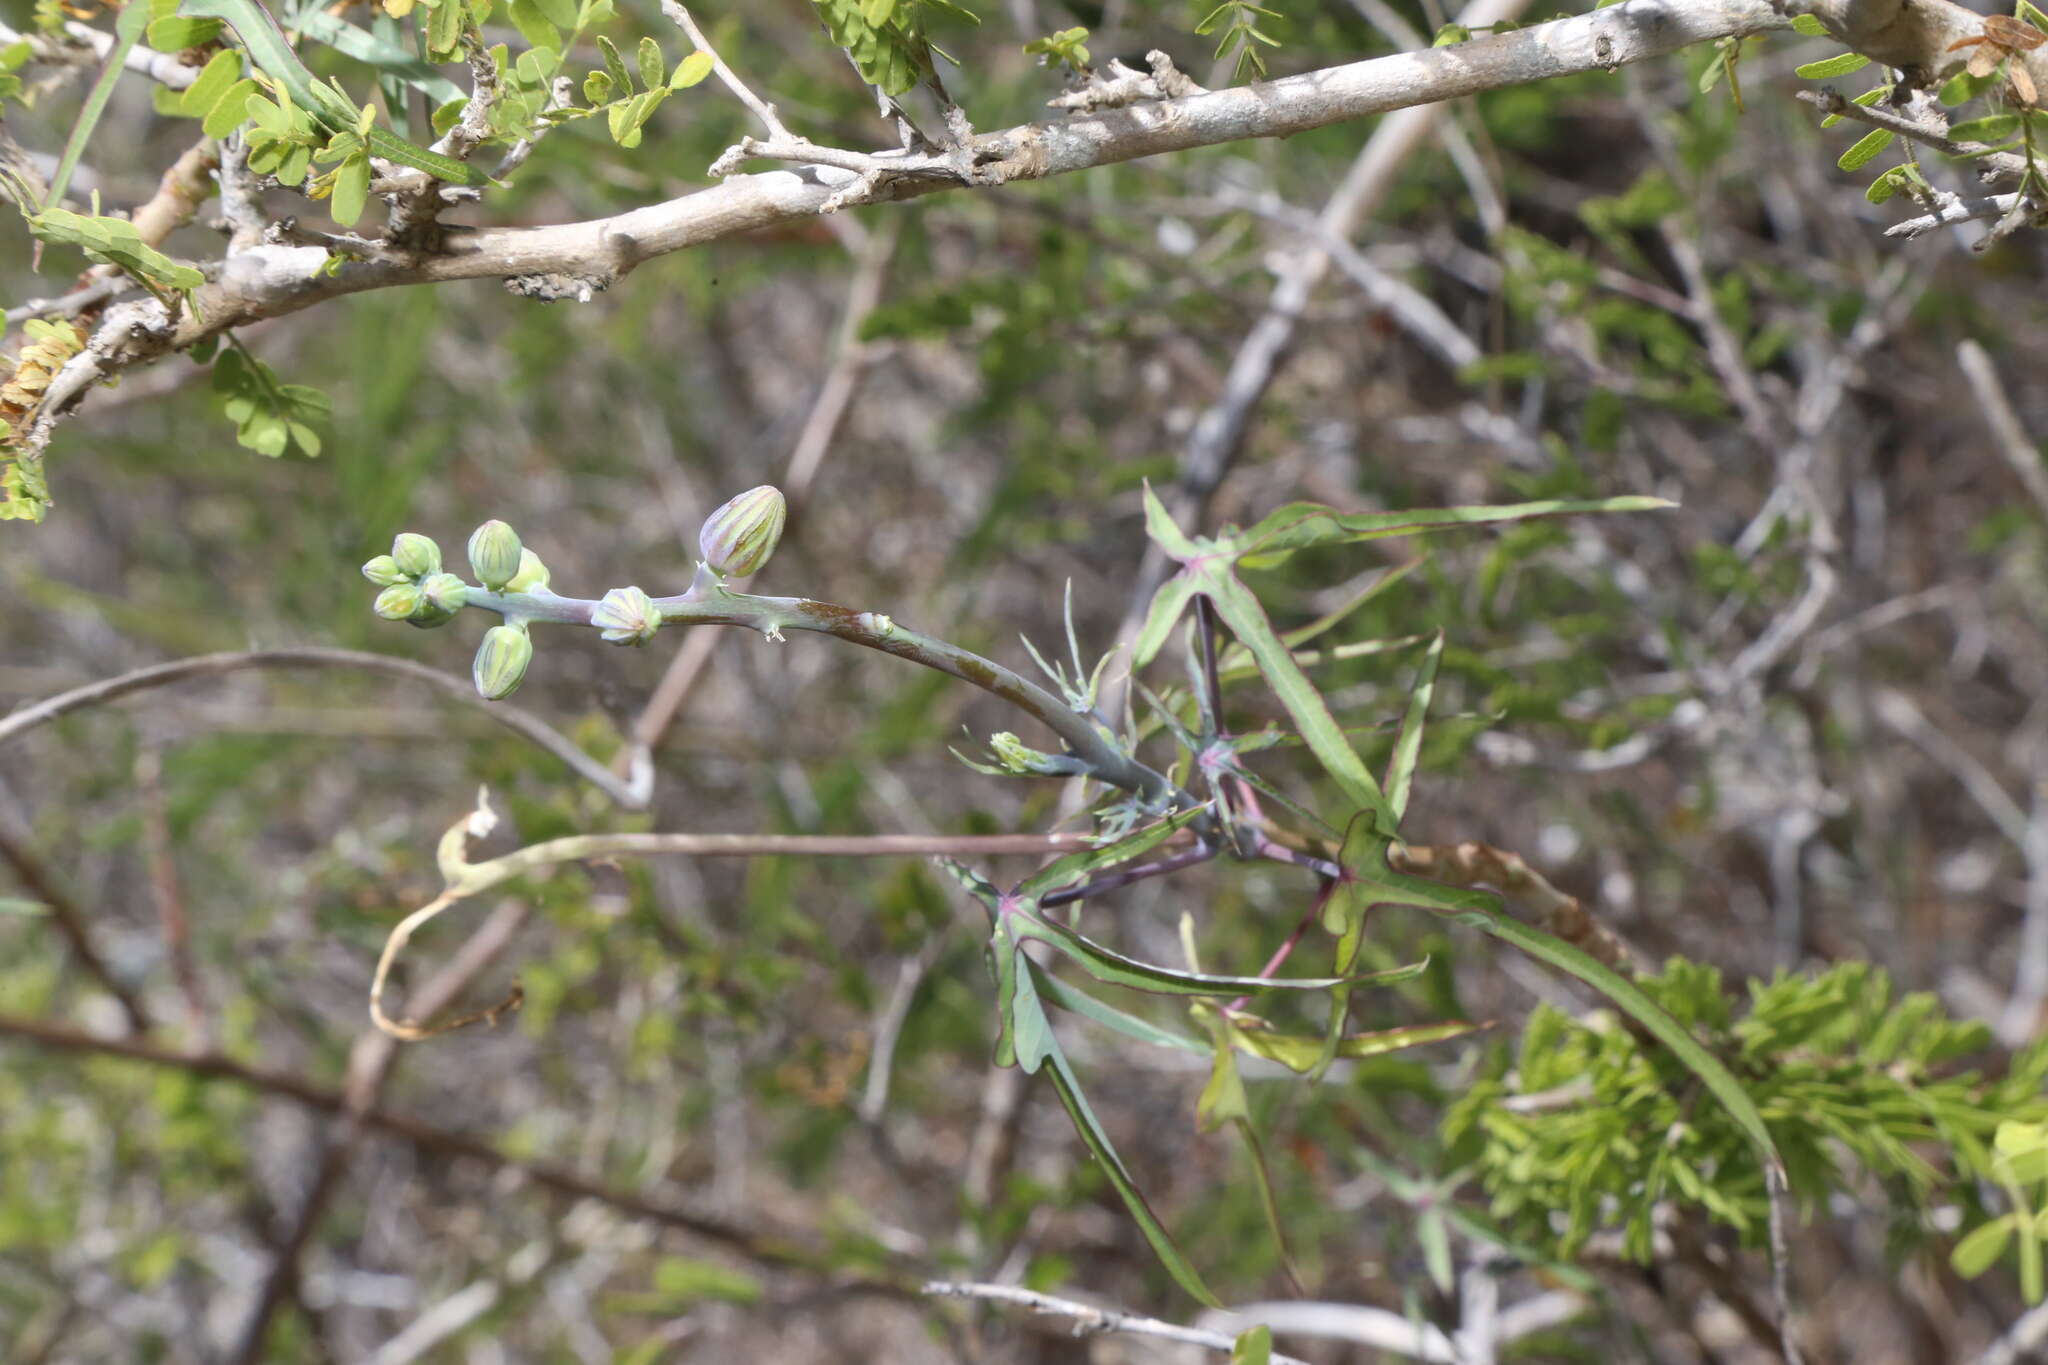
x: 627, y: 616
x: 445, y: 594
x: 532, y: 575
x: 501, y: 661
x: 494, y: 554
x: 738, y: 538
x: 383, y: 571
x: 398, y: 601
x: 415, y: 555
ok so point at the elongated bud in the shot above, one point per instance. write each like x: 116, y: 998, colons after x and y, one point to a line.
x: 398, y: 601
x: 501, y: 661
x: 627, y: 616
x: 738, y: 538
x: 383, y: 571
x: 532, y: 575
x: 415, y: 555
x: 494, y: 554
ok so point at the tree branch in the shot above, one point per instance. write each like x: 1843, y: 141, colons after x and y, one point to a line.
x: 271, y: 280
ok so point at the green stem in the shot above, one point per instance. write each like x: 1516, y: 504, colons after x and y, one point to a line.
x: 708, y: 604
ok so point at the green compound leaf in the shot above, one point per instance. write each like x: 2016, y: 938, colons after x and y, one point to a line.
x: 1866, y: 148
x: 1842, y: 64
x: 1993, y: 128
x: 1982, y: 1249
x: 271, y: 51
x: 115, y: 241
x: 351, y: 190
x: 653, y: 69
x: 229, y: 110
x: 1639, y: 1006
x: 691, y: 70
x: 1254, y: 1346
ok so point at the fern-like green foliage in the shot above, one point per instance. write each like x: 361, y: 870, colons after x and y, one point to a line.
x: 887, y: 39
x: 1850, y: 1081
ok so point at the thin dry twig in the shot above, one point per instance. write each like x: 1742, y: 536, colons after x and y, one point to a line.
x: 631, y: 793
x: 369, y: 1067
x: 169, y: 896
x: 70, y: 921
x: 2020, y: 1341
x: 769, y: 1249
x: 1832, y: 102
x: 1381, y: 1330
x: 1088, y: 1319
x: 763, y: 110
x: 2019, y: 450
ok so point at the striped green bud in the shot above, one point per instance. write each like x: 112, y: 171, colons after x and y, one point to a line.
x: 444, y: 594
x: 383, y: 571
x: 494, y: 554
x: 738, y: 538
x: 415, y: 555
x: 501, y: 661
x: 627, y: 616
x: 532, y: 575
x: 398, y: 602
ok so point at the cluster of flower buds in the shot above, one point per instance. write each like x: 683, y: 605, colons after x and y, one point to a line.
x: 415, y: 590
x: 736, y: 541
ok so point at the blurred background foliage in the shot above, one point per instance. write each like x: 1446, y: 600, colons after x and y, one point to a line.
x: 700, y: 1035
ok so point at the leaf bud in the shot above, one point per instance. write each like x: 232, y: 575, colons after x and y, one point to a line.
x: 494, y: 554
x: 501, y: 661
x: 398, y: 601
x: 627, y: 616
x: 383, y: 571
x: 415, y: 555
x: 738, y: 538
x: 1019, y: 757
x: 532, y: 575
